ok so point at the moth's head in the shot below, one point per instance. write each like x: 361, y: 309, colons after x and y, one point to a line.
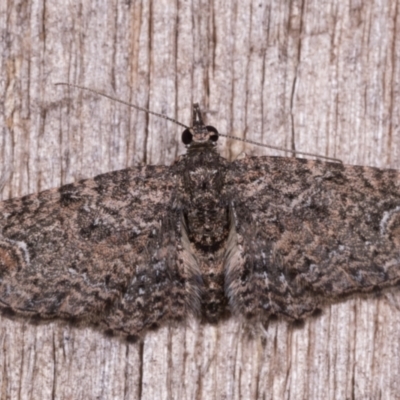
x: 199, y: 133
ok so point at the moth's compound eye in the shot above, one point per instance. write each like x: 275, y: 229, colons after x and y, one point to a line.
x: 215, y: 135
x: 187, y: 136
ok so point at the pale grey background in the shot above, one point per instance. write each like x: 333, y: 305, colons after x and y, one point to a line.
x: 322, y: 76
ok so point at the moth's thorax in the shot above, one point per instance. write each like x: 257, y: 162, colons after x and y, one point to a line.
x: 202, y: 192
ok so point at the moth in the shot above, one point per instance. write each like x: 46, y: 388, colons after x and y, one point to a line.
x: 257, y: 237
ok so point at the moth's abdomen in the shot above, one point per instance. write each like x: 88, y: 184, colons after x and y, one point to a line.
x: 208, y: 237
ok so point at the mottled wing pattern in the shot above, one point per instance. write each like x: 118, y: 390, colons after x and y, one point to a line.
x: 103, y: 249
x: 309, y: 231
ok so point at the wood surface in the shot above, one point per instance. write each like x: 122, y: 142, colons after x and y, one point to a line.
x: 318, y: 76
